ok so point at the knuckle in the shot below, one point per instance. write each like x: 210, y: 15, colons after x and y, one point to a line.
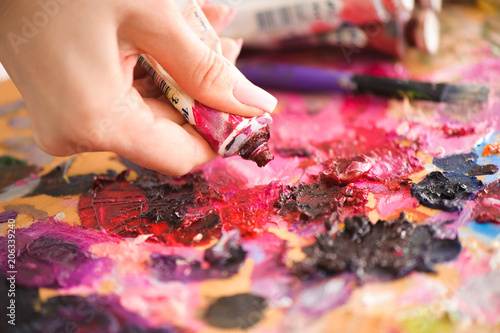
x: 210, y: 71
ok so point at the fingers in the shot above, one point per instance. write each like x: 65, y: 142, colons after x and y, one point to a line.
x: 231, y: 49
x: 161, y: 108
x: 219, y: 16
x: 147, y: 88
x: 204, y: 3
x: 159, y: 143
x: 202, y: 73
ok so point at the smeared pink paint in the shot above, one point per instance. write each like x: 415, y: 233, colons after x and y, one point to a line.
x: 69, y: 202
x: 390, y: 203
x: 470, y: 264
x: 483, y: 307
x: 429, y: 290
x: 163, y: 303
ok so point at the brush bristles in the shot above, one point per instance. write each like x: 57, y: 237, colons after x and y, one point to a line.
x: 464, y: 93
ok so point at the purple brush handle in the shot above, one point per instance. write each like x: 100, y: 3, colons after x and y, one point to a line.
x: 297, y: 78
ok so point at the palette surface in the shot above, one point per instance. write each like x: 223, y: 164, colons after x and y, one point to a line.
x: 376, y: 215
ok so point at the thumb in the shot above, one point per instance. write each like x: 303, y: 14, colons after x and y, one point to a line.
x: 201, y: 72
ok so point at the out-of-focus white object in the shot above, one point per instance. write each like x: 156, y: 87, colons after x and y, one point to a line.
x: 3, y: 74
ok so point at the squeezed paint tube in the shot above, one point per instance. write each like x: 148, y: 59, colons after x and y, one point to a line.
x: 420, y: 30
x: 227, y: 134
x: 423, y: 30
x: 260, y: 22
x: 435, y: 5
x: 392, y: 38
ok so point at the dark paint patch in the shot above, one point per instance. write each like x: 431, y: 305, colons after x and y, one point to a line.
x: 227, y: 254
x: 57, y: 184
x: 201, y: 231
x: 96, y: 314
x: 220, y: 261
x: 8, y: 215
x: 169, y: 202
x: 481, y: 170
x: 53, y: 255
x: 294, y: 152
x: 50, y: 262
x: 30, y: 210
x: 13, y: 169
x: 388, y: 249
x: 311, y: 201
x: 465, y: 164
x: 26, y: 301
x: 461, y: 163
x: 238, y: 311
x: 446, y: 190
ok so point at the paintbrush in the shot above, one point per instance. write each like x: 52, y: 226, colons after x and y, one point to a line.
x: 312, y: 79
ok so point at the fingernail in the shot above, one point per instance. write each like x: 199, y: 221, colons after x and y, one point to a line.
x: 223, y: 16
x: 228, y: 16
x: 249, y: 94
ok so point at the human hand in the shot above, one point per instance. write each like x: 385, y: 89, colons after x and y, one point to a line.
x: 74, y: 63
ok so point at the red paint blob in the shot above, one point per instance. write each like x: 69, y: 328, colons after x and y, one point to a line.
x: 343, y: 171
x: 488, y: 204
x: 129, y: 209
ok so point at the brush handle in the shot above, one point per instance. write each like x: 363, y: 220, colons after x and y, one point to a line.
x: 297, y: 78
x: 399, y: 88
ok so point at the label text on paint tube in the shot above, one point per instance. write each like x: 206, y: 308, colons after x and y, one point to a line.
x: 293, y: 15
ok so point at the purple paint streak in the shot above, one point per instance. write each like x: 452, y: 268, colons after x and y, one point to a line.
x: 6, y: 216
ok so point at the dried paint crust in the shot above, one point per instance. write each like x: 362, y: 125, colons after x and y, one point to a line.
x: 447, y: 191
x: 387, y: 249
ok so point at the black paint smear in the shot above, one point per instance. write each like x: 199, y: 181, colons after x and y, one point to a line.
x: 169, y: 202
x: 446, y: 191
x: 57, y: 184
x: 294, y: 152
x: 388, y: 249
x: 13, y: 169
x: 209, y: 227
x: 465, y: 164
x: 238, y: 311
x: 461, y: 163
x: 316, y: 199
x: 224, y: 260
x: 480, y: 170
x: 227, y: 254
x: 96, y: 314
